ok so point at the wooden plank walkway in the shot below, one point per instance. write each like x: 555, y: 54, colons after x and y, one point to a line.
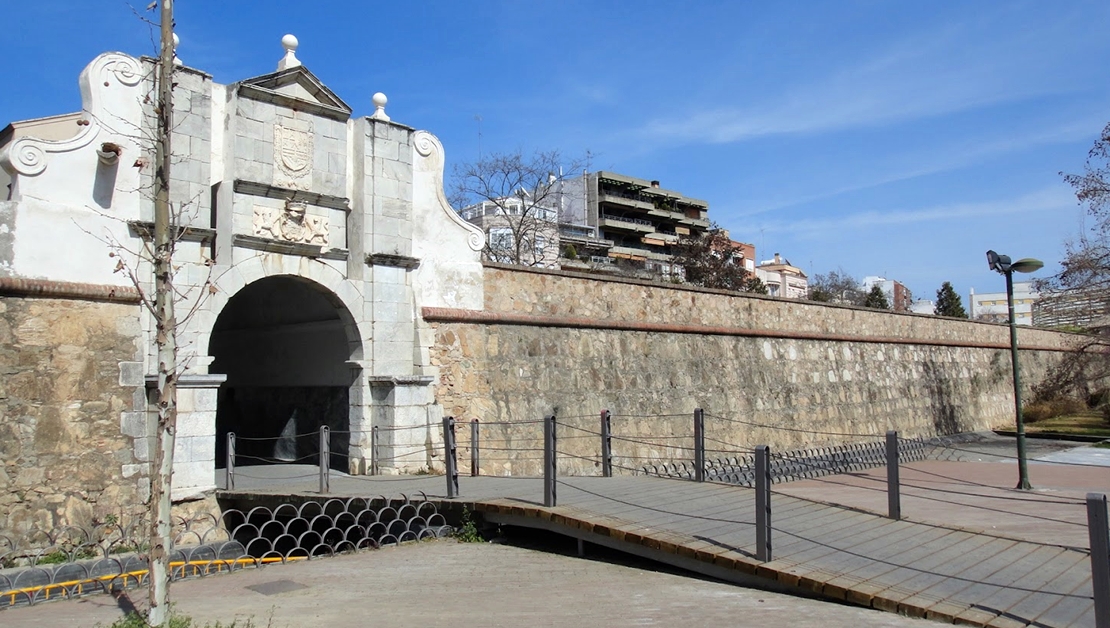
x: 918, y: 569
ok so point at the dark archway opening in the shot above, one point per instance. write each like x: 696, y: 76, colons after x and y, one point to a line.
x: 284, y: 343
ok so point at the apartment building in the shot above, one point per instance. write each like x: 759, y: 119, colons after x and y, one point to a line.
x: 641, y: 218
x: 782, y: 278
x: 897, y: 294
x: 605, y: 216
x: 1073, y: 308
x: 991, y: 306
x: 537, y: 232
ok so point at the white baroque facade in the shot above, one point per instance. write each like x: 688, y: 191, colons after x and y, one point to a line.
x: 310, y: 239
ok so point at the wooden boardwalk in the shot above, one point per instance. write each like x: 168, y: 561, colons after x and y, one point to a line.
x: 919, y: 569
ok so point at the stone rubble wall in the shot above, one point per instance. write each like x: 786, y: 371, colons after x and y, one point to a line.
x: 67, y: 443
x: 553, y: 341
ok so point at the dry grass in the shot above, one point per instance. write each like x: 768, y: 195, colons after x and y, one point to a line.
x: 1088, y: 423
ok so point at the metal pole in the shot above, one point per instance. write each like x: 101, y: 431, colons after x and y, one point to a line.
x: 1100, y: 557
x: 374, y: 450
x: 606, y: 444
x: 762, y: 503
x: 699, y: 445
x: 549, y: 461
x: 474, y: 448
x: 449, y: 459
x: 230, y: 461
x: 325, y: 459
x: 893, y: 486
x: 1023, y: 468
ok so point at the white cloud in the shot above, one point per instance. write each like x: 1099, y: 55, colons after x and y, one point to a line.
x: 1049, y: 198
x: 928, y: 75
x: 943, y: 159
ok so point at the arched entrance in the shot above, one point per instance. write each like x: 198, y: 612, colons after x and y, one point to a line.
x: 284, y: 343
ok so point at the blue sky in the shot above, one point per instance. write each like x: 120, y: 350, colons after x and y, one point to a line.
x: 885, y: 138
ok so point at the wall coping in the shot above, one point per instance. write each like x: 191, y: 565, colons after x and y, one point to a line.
x: 479, y: 317
x: 49, y: 289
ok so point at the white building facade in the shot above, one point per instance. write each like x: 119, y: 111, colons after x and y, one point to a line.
x: 783, y: 279
x: 992, y: 306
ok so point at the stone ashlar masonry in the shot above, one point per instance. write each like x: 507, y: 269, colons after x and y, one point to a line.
x: 574, y: 344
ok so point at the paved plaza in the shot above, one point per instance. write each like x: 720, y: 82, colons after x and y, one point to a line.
x: 443, y: 583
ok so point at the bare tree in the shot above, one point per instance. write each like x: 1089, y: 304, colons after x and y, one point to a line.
x: 1084, y: 279
x: 1086, y: 264
x: 836, y: 286
x: 516, y: 199
x: 165, y: 333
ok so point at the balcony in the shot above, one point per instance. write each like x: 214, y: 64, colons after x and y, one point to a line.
x: 615, y: 198
x: 699, y: 223
x: 623, y: 223
x: 639, y: 252
x: 660, y: 238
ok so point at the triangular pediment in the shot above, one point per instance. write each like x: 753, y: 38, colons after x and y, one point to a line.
x: 296, y: 88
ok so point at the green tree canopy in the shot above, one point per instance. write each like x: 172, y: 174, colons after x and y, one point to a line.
x: 711, y: 260
x: 948, y: 302
x: 876, y: 298
x: 755, y: 285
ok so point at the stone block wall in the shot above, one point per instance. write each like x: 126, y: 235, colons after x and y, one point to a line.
x: 651, y: 353
x: 191, y: 145
x: 71, y: 408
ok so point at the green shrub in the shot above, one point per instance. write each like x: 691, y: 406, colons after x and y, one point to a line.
x: 468, y: 532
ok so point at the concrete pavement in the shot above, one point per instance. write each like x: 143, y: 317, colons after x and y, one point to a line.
x: 443, y: 583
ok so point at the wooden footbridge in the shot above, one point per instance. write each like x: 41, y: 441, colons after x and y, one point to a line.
x: 915, y: 567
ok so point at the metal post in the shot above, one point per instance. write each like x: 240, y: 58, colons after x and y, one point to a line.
x: 606, y: 444
x: 449, y: 458
x: 474, y: 448
x: 325, y: 459
x: 893, y: 486
x: 763, y: 503
x: 230, y: 461
x: 699, y: 445
x: 1023, y: 468
x: 549, y: 461
x: 1100, y: 557
x: 374, y: 450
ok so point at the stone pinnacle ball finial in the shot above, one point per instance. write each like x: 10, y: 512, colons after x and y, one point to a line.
x: 379, y: 101
x: 176, y: 42
x: 290, y: 43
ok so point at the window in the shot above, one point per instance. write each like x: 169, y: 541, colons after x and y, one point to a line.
x: 501, y: 240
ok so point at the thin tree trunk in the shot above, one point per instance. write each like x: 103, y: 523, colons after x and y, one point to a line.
x: 165, y: 324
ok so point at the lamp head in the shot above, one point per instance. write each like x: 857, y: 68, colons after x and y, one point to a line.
x: 1027, y: 265
x: 1000, y: 263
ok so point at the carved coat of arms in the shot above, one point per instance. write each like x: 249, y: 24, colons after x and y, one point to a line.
x: 292, y: 157
x: 291, y: 224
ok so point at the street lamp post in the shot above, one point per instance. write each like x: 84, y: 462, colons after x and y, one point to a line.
x: 1002, y: 264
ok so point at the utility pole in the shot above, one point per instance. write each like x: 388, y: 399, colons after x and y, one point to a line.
x: 166, y: 335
